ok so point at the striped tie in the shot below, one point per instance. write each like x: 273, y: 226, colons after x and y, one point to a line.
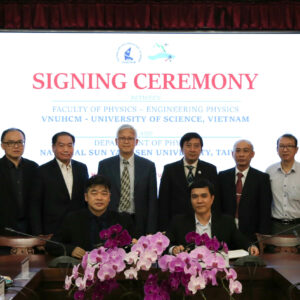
x: 190, y: 176
x: 125, y: 188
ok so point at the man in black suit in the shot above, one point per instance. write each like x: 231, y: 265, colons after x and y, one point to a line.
x: 133, y: 180
x: 80, y: 229
x: 252, y: 208
x: 174, y: 195
x: 58, y: 187
x: 203, y: 220
x: 16, y: 175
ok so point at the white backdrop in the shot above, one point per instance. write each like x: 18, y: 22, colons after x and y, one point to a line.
x: 223, y: 86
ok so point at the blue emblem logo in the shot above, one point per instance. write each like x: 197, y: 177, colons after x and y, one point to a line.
x: 129, y: 53
x: 161, y: 53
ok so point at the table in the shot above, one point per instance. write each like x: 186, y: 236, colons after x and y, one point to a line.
x: 274, y: 282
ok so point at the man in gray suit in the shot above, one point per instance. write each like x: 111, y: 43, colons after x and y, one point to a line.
x: 133, y: 180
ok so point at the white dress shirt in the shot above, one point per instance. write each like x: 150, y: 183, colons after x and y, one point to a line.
x: 67, y: 173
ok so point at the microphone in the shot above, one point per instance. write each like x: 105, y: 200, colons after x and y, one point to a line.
x: 58, y: 262
x: 250, y: 260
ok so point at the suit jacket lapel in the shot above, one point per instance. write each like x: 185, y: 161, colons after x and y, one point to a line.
x: 181, y: 174
x: 115, y: 170
x: 137, y: 170
x: 75, y: 178
x: 60, y: 179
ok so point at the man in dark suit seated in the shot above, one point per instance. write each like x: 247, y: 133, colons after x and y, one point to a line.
x: 203, y: 220
x: 174, y: 196
x: 58, y: 187
x: 245, y: 193
x: 133, y: 182
x: 80, y: 229
x: 16, y: 181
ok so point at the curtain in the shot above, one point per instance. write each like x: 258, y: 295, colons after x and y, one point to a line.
x: 150, y: 15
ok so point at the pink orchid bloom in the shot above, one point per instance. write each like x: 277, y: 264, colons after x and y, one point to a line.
x: 106, y: 272
x: 117, y: 264
x: 68, y: 282
x: 116, y: 253
x: 75, y: 271
x: 200, y: 253
x: 80, y: 283
x: 164, y: 261
x: 160, y: 239
x: 185, y: 257
x: 230, y: 274
x: 98, y: 256
x: 150, y: 255
x: 176, y: 265
x: 89, y: 272
x: 131, y: 273
x: 84, y: 260
x: 210, y: 276
x: 196, y: 283
x: 131, y: 257
x: 215, y: 261
x: 193, y: 269
x: 235, y: 287
x: 138, y: 248
x: 144, y: 264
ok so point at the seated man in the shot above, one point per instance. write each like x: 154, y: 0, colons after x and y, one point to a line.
x: 80, y: 229
x: 203, y: 220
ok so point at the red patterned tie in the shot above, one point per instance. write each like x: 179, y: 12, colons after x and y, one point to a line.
x: 239, y: 188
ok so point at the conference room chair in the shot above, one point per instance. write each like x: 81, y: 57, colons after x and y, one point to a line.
x: 279, y: 243
x: 21, y: 245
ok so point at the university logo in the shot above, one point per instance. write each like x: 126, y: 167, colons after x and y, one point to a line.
x: 161, y: 53
x: 129, y: 53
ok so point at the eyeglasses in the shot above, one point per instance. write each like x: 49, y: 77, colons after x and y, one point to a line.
x: 14, y: 143
x: 127, y: 139
x: 289, y: 147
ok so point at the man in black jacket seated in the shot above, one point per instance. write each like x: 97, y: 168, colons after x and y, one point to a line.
x: 203, y: 220
x: 80, y: 229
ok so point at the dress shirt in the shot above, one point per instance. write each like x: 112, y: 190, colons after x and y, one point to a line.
x: 130, y: 167
x: 186, y: 170
x: 286, y: 191
x: 67, y: 175
x: 245, y: 172
x: 200, y: 228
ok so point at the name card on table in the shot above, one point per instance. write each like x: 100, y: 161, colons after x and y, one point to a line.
x: 25, y: 268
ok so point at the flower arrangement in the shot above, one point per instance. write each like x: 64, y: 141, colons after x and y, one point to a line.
x: 191, y: 272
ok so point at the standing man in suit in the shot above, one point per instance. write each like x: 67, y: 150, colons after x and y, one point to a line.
x: 80, y: 229
x: 203, y: 220
x: 174, y: 197
x: 245, y: 193
x: 58, y: 187
x: 285, y: 183
x: 16, y: 175
x: 133, y: 181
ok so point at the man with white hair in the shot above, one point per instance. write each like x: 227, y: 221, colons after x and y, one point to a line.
x: 133, y: 182
x: 245, y: 193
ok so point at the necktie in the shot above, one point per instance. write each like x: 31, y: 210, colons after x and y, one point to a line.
x: 190, y: 176
x: 239, y: 188
x: 125, y: 188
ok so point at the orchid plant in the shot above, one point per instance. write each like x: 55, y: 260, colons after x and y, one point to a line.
x: 190, y: 271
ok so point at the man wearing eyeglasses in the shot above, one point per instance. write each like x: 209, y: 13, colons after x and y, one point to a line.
x: 16, y: 174
x: 285, y: 184
x: 133, y: 181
